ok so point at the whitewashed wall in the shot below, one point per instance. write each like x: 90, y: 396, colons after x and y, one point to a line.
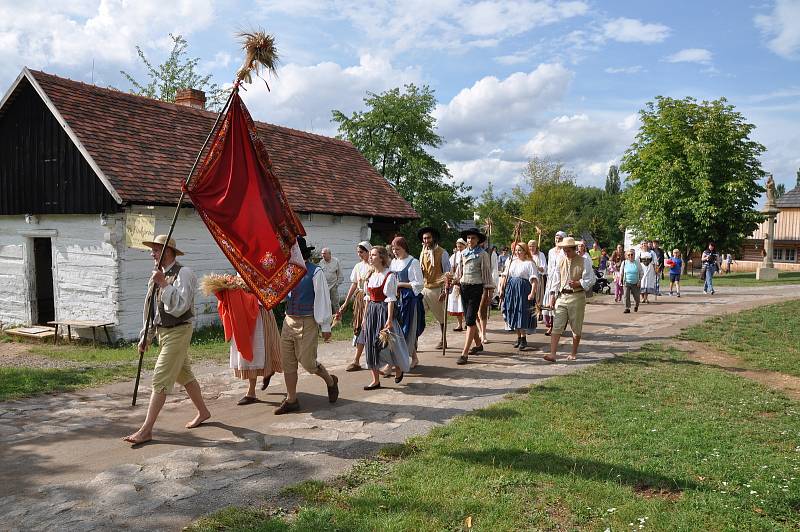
x: 339, y: 233
x: 203, y: 256
x: 84, y: 267
x: 14, y: 305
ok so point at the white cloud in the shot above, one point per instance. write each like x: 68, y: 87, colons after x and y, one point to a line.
x: 625, y: 70
x: 303, y: 96
x: 41, y: 33
x: 691, y: 55
x: 586, y: 143
x: 633, y: 30
x: 478, y: 172
x: 781, y: 28
x: 493, y: 108
x: 436, y: 24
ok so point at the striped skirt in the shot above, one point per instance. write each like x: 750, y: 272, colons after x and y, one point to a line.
x: 377, y: 354
x: 517, y: 309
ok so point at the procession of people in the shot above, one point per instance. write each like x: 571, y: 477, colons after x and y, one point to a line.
x: 391, y: 292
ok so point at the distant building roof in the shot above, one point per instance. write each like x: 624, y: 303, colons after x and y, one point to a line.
x: 790, y: 200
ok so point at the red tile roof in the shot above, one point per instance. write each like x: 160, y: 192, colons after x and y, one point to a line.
x: 145, y: 147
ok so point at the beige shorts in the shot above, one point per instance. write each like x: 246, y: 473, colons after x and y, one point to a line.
x: 569, y: 309
x: 173, y: 364
x: 430, y: 298
x: 299, y: 340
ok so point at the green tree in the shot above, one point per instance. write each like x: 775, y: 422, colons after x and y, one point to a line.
x: 500, y: 208
x: 613, y: 183
x: 797, y: 183
x: 395, y: 133
x: 693, y: 173
x: 780, y: 190
x: 177, y: 72
x: 549, y: 199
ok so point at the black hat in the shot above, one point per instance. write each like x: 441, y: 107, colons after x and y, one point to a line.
x: 476, y: 232
x: 432, y: 230
x: 305, y: 249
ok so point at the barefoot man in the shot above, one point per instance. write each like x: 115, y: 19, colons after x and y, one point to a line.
x: 173, y: 320
x: 572, y: 277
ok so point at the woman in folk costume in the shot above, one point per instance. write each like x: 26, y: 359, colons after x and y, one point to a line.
x: 649, y: 282
x: 255, y: 341
x: 615, y: 269
x: 358, y: 283
x: 411, y: 310
x: 382, y: 334
x: 454, y: 306
x: 540, y: 261
x: 519, y: 294
x: 550, y: 290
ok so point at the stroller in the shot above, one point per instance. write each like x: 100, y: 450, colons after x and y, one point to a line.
x: 601, y: 284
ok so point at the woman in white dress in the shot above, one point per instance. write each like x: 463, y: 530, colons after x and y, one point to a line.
x: 358, y: 283
x: 411, y: 310
x: 266, y: 353
x: 454, y: 306
x: 519, y: 294
x: 540, y: 261
x: 649, y: 283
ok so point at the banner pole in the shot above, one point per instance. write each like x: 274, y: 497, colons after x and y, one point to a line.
x: 188, y: 179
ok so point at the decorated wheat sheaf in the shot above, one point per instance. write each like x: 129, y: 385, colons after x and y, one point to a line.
x: 383, y: 336
x: 260, y: 54
x: 216, y: 282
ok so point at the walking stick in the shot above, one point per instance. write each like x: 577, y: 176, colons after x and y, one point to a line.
x: 444, y: 325
x: 151, y: 293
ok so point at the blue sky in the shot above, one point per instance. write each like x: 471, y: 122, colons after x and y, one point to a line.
x: 514, y: 79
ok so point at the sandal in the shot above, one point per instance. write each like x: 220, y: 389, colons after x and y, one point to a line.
x: 461, y: 360
x: 353, y: 367
x: 247, y: 400
x: 458, y: 329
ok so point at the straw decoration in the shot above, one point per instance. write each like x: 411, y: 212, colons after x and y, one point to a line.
x: 260, y: 55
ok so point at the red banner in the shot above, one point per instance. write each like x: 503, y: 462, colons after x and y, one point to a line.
x: 242, y: 204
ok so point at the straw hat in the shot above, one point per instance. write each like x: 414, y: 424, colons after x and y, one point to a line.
x: 161, y: 240
x: 568, y: 242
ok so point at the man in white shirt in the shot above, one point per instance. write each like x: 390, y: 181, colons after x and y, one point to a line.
x: 172, y: 288
x: 333, y: 274
x: 572, y: 278
x: 308, y: 309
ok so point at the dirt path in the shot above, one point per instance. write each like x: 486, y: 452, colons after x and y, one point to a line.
x: 704, y: 353
x: 64, y: 465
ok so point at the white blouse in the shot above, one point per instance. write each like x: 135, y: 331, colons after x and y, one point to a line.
x: 523, y: 268
x: 359, y: 274
x: 389, y: 289
x: 414, y: 272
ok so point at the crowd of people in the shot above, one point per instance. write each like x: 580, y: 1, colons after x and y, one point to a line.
x: 391, y: 291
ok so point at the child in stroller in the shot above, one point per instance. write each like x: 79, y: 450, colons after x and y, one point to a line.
x: 601, y: 284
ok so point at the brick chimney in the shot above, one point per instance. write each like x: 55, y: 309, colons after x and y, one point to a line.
x: 191, y: 98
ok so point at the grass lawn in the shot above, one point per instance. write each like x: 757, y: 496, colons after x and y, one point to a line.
x: 94, y: 366
x: 764, y: 337
x: 735, y: 279
x: 649, y: 438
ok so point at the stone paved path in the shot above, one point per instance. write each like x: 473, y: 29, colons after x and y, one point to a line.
x: 65, y: 468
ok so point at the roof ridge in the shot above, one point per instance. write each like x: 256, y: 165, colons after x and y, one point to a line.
x: 184, y: 108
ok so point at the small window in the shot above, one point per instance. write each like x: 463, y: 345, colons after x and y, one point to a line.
x: 790, y: 255
x: 777, y: 254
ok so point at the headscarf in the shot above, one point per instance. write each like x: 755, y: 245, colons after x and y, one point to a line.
x: 364, y: 244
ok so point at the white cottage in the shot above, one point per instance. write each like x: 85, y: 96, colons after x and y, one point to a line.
x: 82, y: 168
